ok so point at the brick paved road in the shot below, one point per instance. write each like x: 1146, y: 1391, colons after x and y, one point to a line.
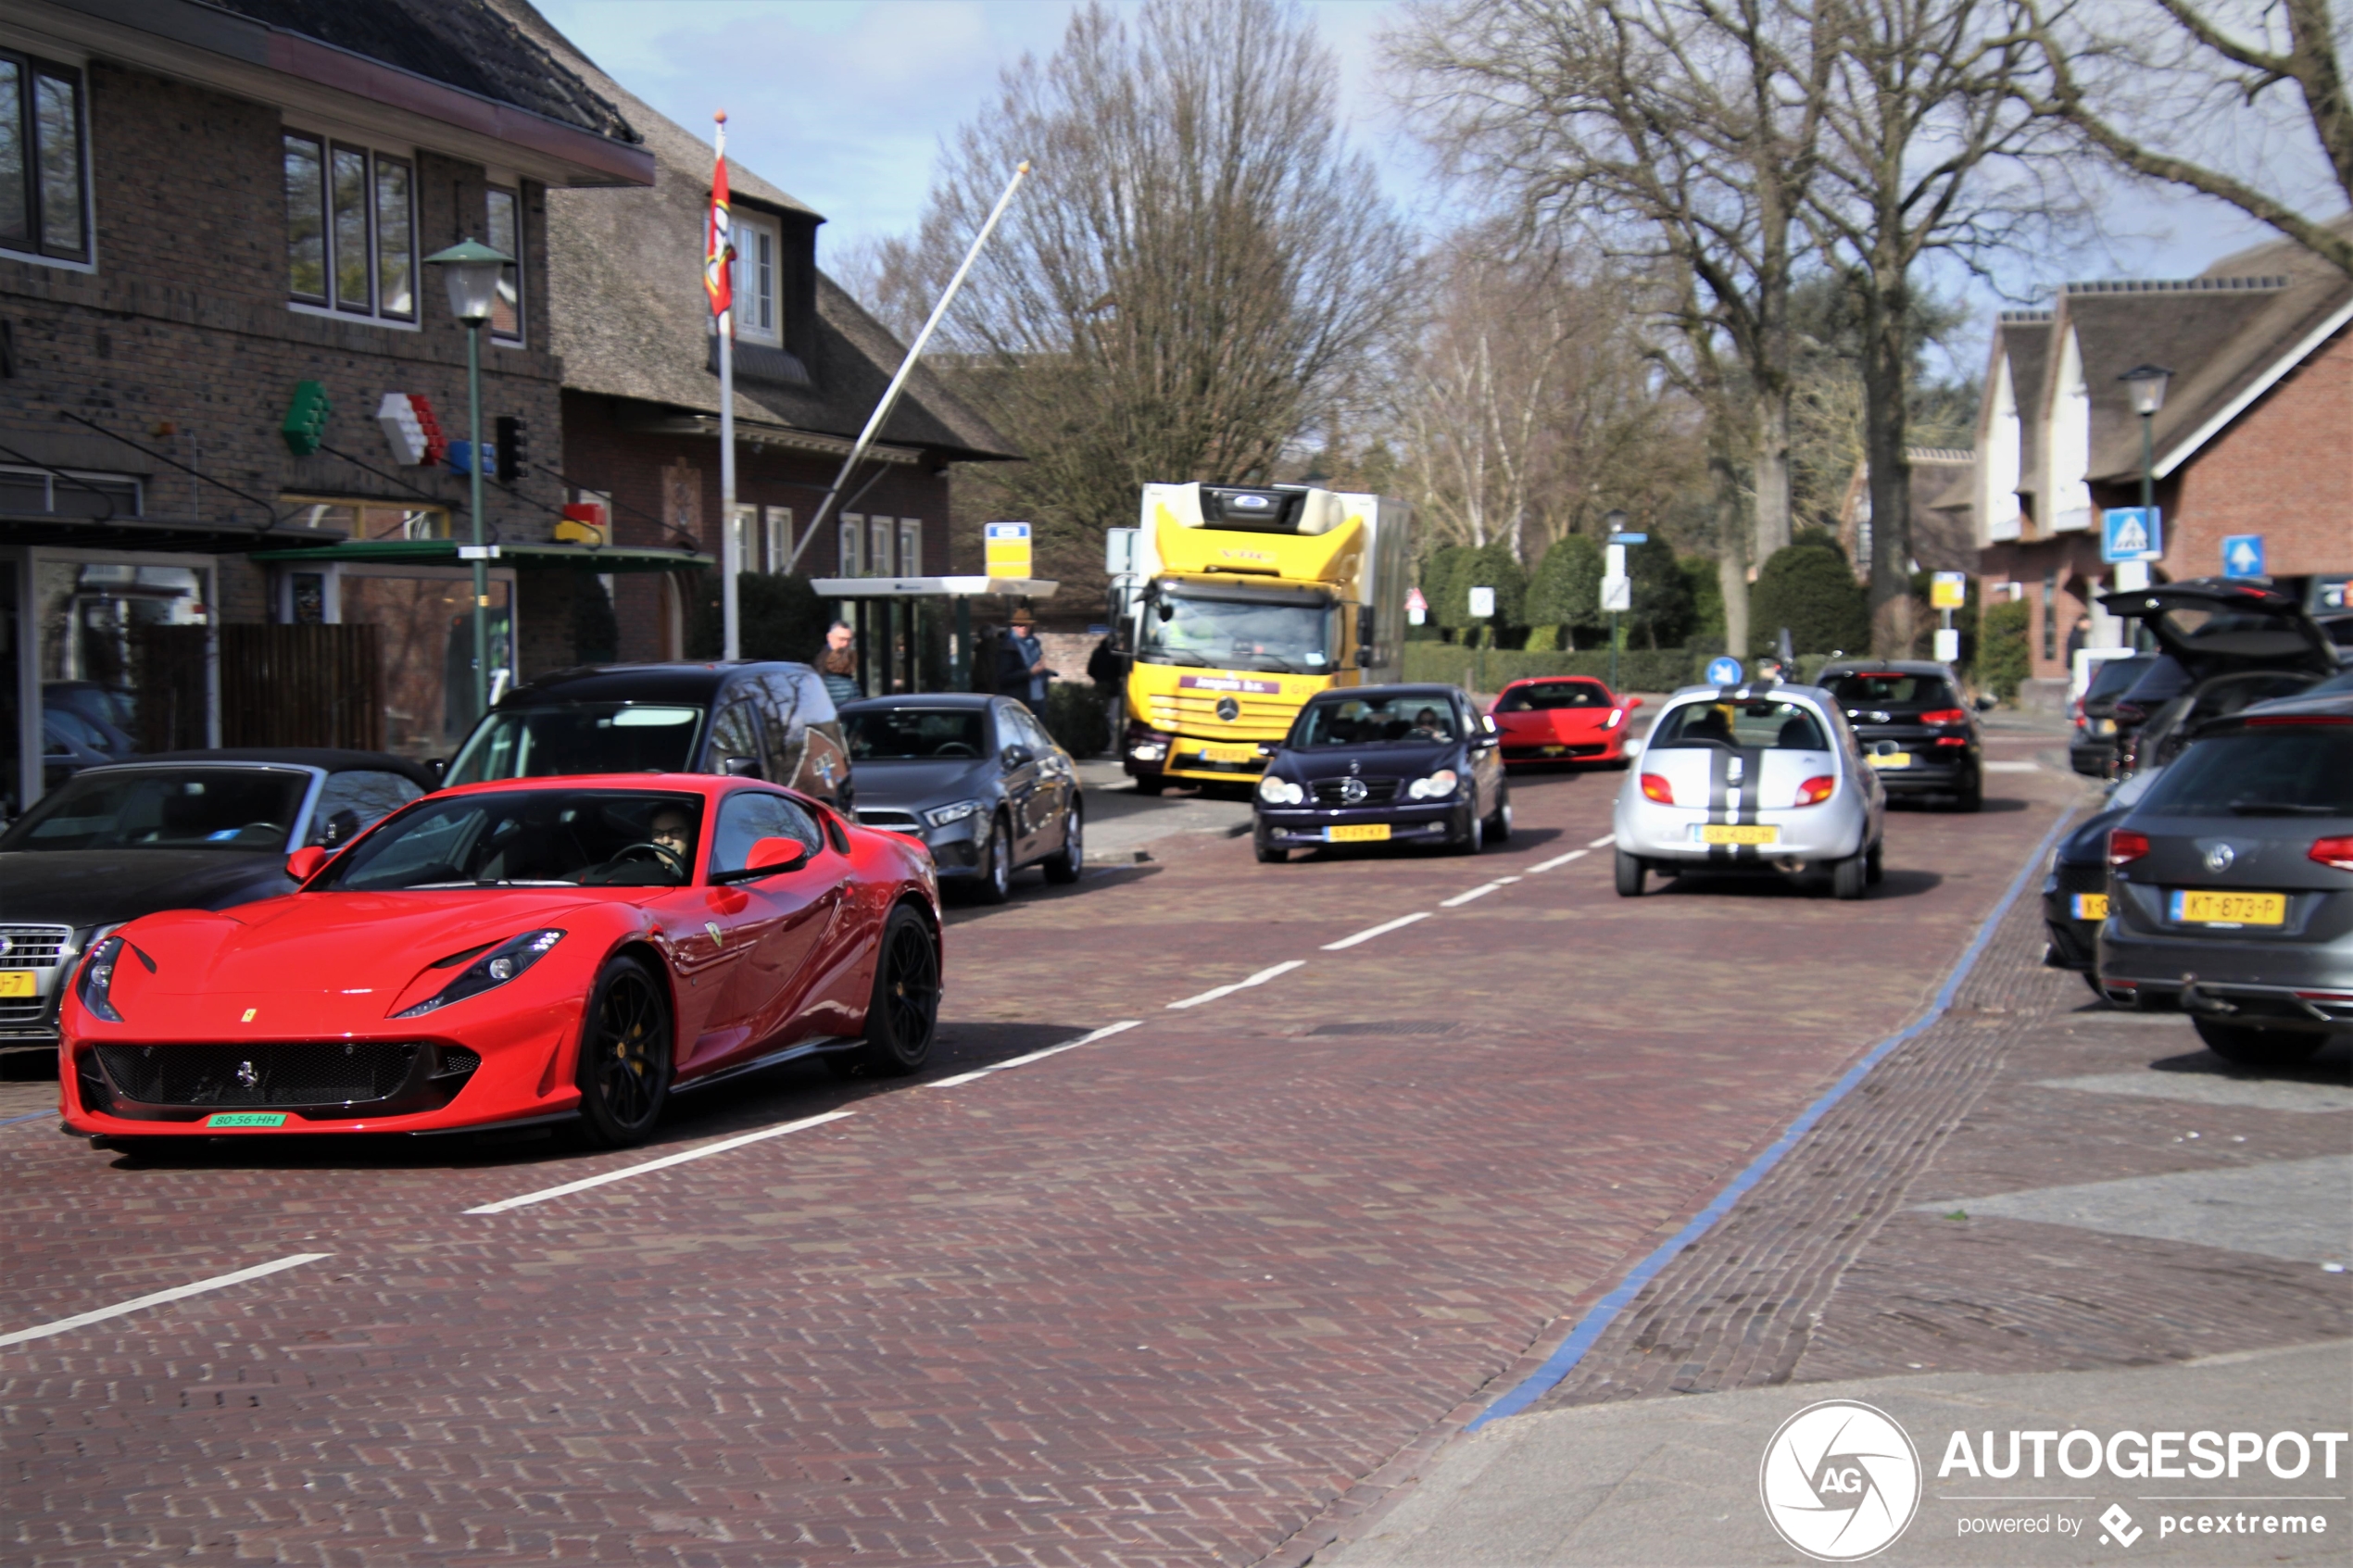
x: 1163, y: 1299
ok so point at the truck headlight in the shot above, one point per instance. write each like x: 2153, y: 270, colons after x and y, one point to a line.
x: 956, y: 811
x: 1280, y: 792
x: 1438, y: 786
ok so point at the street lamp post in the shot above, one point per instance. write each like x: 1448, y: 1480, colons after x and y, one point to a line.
x: 472, y: 270
x: 2146, y: 385
x: 1614, y: 521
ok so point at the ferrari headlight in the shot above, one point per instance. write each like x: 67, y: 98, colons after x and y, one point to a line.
x: 1438, y: 786
x: 491, y: 970
x: 941, y: 816
x: 98, y: 980
x: 1280, y: 792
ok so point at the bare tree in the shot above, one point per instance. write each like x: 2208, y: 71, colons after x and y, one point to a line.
x: 1197, y: 267
x: 1680, y: 134
x: 2147, y: 85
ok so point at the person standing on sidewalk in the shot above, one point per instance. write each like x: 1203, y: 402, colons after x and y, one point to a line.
x: 1021, y: 664
x: 838, y: 666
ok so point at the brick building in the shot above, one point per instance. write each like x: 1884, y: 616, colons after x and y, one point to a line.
x: 207, y: 206
x: 2255, y: 437
x: 641, y: 387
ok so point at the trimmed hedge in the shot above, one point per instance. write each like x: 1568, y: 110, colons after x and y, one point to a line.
x: 1639, y: 670
x: 2005, y: 649
x: 1077, y: 716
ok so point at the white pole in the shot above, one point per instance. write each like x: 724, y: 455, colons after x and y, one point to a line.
x: 730, y: 556
x: 907, y: 366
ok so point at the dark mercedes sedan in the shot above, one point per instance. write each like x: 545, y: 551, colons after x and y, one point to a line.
x: 1914, y: 731
x: 186, y: 830
x: 976, y: 778
x: 1384, y: 765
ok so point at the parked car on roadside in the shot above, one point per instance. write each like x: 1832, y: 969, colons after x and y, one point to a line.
x: 181, y: 830
x: 2210, y: 628
x: 1552, y: 719
x: 2231, y: 884
x: 2091, y: 750
x: 1758, y: 780
x: 1402, y: 764
x: 1913, y: 727
x: 770, y: 720
x: 977, y: 779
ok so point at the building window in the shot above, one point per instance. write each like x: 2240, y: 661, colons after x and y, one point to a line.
x: 60, y: 493
x: 44, y: 203
x: 757, y: 257
x: 366, y: 520
x: 878, y: 533
x: 911, y: 547
x: 351, y: 228
x: 777, y: 527
x: 505, y: 209
x: 853, y: 543
x: 2050, y: 615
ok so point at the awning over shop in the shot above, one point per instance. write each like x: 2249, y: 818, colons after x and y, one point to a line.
x: 434, y: 552
x: 931, y: 587
x: 156, y: 533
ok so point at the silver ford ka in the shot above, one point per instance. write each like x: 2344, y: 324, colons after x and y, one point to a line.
x: 1759, y: 779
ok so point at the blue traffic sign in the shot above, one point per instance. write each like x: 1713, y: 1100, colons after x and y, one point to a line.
x: 2131, y: 533
x: 1724, y: 671
x: 2243, y: 555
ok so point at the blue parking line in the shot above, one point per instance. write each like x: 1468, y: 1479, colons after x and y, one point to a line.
x: 1536, y: 1384
x: 29, y: 1116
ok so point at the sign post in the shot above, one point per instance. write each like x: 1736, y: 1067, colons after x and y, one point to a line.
x: 1416, y: 607
x: 1005, y: 550
x: 1948, y: 590
x: 1483, y: 608
x: 1617, y: 591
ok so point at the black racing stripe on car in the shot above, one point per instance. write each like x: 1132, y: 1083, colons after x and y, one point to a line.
x: 1719, y: 761
x: 1751, y: 772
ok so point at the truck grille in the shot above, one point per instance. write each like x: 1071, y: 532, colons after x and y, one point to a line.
x: 323, y: 1072
x: 1196, y: 714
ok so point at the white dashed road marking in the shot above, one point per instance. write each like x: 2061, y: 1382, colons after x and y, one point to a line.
x: 2013, y: 767
x: 1479, y: 892
x: 1381, y: 930
x: 1558, y: 860
x: 140, y: 1303
x: 1606, y: 838
x: 667, y: 1161
x: 1104, y: 1032
x: 1261, y: 978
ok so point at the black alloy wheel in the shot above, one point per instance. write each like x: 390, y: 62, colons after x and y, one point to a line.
x: 1064, y: 865
x: 1499, y: 826
x: 996, y: 883
x: 1472, y: 837
x: 624, y: 1056
x: 1972, y: 795
x: 904, y: 1012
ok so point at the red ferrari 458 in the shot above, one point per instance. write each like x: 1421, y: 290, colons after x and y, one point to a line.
x: 1562, y: 719
x: 570, y: 950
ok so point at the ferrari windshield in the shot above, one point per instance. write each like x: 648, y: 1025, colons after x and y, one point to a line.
x: 1406, y: 718
x: 1543, y: 696
x: 914, y: 734
x: 1239, y: 633
x: 579, y: 737
x: 529, y: 838
x: 166, y: 809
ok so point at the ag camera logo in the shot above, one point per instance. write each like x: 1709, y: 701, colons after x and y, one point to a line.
x: 1840, y: 1481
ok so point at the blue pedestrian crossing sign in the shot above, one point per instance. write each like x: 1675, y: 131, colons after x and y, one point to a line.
x: 1724, y: 671
x: 2131, y: 533
x: 2243, y: 555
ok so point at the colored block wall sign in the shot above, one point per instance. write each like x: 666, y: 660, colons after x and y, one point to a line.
x: 2243, y: 555
x: 306, y: 421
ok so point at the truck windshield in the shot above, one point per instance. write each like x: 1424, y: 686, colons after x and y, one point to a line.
x: 1239, y: 634
x: 579, y: 737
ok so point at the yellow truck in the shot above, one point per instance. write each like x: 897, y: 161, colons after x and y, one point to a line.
x: 1246, y: 600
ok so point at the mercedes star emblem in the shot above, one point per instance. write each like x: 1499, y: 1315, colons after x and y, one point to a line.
x: 1352, y: 790
x: 1228, y: 710
x: 2218, y: 859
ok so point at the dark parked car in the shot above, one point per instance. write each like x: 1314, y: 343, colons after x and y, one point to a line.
x: 1914, y: 729
x: 763, y: 720
x: 2207, y: 629
x: 976, y: 778
x: 2231, y: 884
x: 182, y: 830
x: 2092, y: 750
x: 1385, y: 764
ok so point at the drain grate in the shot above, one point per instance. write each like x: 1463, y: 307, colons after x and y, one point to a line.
x: 1388, y: 1027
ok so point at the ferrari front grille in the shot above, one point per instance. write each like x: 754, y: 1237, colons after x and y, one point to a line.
x: 322, y: 1072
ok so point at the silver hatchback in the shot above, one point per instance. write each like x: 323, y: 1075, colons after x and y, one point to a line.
x: 1758, y: 779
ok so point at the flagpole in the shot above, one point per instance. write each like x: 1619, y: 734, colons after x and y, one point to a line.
x: 730, y: 551
x: 907, y: 366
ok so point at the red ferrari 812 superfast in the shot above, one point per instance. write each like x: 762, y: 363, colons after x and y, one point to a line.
x: 571, y: 949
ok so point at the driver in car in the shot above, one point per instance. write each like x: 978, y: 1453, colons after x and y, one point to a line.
x: 675, y: 830
x: 1428, y: 726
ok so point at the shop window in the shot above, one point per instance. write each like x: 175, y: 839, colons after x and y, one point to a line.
x: 504, y: 209
x: 351, y: 228
x: 44, y: 159
x: 369, y: 520
x: 121, y: 657
x: 427, y: 649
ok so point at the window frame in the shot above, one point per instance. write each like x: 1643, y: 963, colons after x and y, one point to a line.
x: 852, y: 547
x: 38, y: 249
x: 756, y: 278
x: 910, y: 546
x: 775, y: 530
x: 328, y: 146
x: 520, y: 337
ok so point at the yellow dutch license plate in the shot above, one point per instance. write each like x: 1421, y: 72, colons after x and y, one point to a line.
x: 2229, y: 909
x: 1357, y: 832
x: 1738, y: 832
x: 2091, y: 906
x: 1890, y: 759
x: 16, y: 982
x: 1228, y: 753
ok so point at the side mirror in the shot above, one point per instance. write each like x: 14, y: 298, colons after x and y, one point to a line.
x: 741, y: 767
x: 776, y: 855
x: 1632, y: 703
x: 1166, y: 611
x: 1364, y: 657
x: 342, y: 827
x: 1986, y: 702
x: 1018, y: 757
x: 304, y: 864
x: 436, y: 766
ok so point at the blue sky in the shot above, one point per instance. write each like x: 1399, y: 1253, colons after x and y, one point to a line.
x: 845, y: 104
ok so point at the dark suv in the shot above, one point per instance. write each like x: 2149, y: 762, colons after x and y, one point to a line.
x: 2232, y: 884
x: 1914, y: 729
x: 2092, y: 750
x: 762, y: 721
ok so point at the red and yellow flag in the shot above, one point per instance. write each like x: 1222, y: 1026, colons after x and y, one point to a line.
x: 719, y: 252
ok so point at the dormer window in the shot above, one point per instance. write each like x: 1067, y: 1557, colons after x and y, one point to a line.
x: 2004, y: 446
x: 759, y: 269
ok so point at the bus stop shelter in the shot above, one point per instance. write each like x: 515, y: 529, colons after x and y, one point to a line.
x: 887, y: 613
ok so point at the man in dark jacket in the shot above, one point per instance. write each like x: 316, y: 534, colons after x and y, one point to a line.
x: 1021, y: 664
